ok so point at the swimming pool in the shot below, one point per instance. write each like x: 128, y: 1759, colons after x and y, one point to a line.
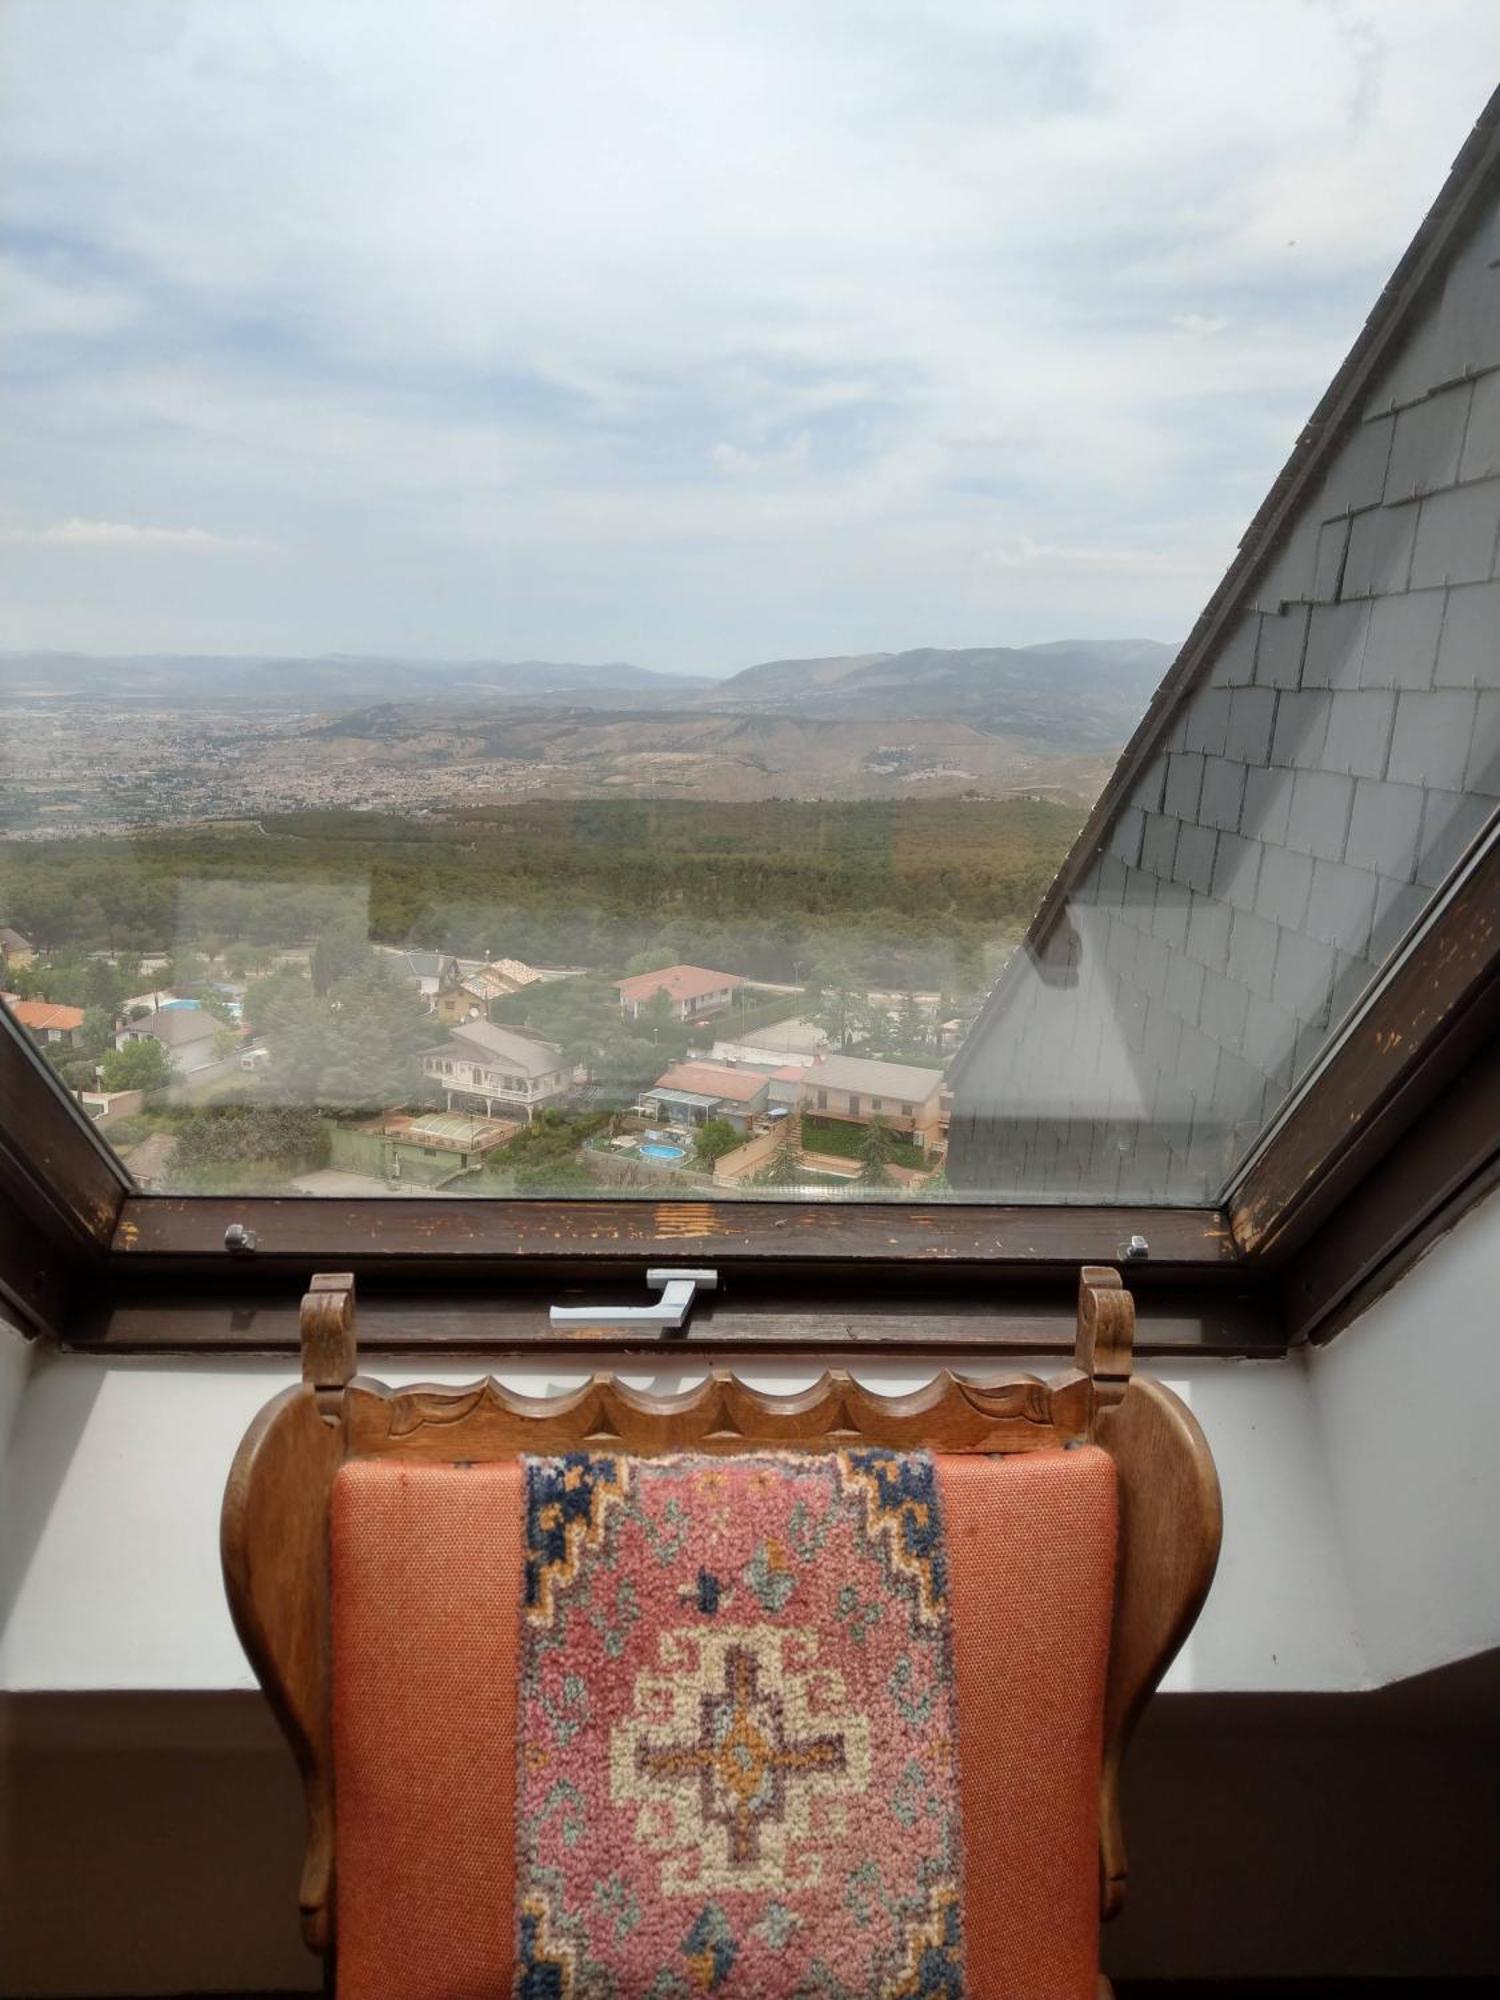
x: 656, y: 1151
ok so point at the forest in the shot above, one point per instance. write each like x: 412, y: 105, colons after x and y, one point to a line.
x: 917, y: 891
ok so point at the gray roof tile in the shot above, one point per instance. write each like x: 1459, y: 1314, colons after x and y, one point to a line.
x: 1289, y: 574
x: 1451, y: 822
x: 1401, y: 646
x: 1429, y: 436
x: 1482, y: 773
x: 1159, y: 844
x: 1456, y: 535
x: 1358, y: 475
x: 1341, y: 908
x: 1284, y: 885
x: 1433, y: 734
x: 1301, y: 727
x: 1278, y: 654
x: 1319, y: 819
x: 1251, y: 959
x: 1205, y: 721
x: 1223, y: 790
x: 1384, y: 828
x: 1358, y: 736
x: 1469, y: 652
x: 1303, y: 978
x: 1184, y: 783
x: 1379, y: 558
x: 1252, y: 715
x: 1193, y: 864
x: 1234, y: 663
x: 1236, y: 865
x: 1328, y: 569
x: 1267, y: 806
x: 1481, y: 456
x: 1335, y: 645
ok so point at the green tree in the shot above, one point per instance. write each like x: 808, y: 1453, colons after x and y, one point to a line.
x: 355, y: 1047
x: 97, y: 1032
x: 656, y: 1016
x: 876, y: 1151
x: 715, y: 1138
x: 784, y: 1168
x: 140, y: 1065
x: 262, y: 997
x: 341, y: 953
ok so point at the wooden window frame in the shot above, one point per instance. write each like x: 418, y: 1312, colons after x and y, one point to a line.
x: 1393, y: 1137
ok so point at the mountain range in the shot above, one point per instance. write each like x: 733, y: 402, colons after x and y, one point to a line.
x: 1078, y: 692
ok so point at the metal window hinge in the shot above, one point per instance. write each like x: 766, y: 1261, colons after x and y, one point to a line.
x: 678, y: 1290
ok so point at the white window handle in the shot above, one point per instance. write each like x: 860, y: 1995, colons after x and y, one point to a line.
x: 678, y: 1290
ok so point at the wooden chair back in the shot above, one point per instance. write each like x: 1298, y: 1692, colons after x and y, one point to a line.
x: 275, y: 1525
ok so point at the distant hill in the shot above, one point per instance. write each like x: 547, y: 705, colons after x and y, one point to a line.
x: 331, y: 680
x: 1075, y: 691
x: 1070, y: 695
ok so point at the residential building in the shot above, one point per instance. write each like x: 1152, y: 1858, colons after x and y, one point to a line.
x: 784, y: 1086
x: 480, y: 984
x: 431, y: 972
x: 693, y: 991
x: 436, y: 1147
x: 45, y: 1020
x: 690, y: 1093
x: 765, y: 1054
x: 189, y: 1034
x: 15, y: 951
x: 502, y: 1068
x: 786, y: 1041
x: 908, y: 1099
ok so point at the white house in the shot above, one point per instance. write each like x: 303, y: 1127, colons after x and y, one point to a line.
x: 502, y: 1068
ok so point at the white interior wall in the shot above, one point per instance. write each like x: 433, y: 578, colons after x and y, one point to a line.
x: 1361, y: 1485
x: 109, y: 1564
x: 1406, y: 1413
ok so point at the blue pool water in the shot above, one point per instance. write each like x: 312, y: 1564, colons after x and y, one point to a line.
x: 658, y: 1152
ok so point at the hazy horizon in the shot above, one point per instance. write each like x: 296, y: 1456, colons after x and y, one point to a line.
x: 501, y: 658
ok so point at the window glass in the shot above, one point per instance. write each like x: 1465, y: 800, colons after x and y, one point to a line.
x: 572, y: 577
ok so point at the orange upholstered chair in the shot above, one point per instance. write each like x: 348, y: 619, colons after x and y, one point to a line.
x: 617, y: 1695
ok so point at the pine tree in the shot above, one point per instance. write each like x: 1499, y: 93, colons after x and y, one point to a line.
x: 784, y: 1168
x: 876, y: 1151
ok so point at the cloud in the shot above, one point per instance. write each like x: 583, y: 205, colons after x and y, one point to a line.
x: 78, y: 534
x: 1047, y: 559
x: 610, y: 327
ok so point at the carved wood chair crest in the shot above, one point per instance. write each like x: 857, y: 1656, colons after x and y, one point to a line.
x: 276, y: 1517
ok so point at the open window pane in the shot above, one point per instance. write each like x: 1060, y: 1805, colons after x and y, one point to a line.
x: 545, y: 586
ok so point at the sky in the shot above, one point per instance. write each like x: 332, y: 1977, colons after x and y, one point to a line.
x: 686, y: 333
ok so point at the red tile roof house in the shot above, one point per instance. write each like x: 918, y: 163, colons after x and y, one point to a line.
x: 693, y: 991
x: 691, y: 1093
x: 46, y: 1020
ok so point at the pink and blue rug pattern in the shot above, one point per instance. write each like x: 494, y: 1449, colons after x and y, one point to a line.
x: 737, y: 1743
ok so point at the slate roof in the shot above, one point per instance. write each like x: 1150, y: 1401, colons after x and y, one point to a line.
x: 904, y: 1081
x: 482, y: 1041
x: 1321, y: 754
x: 176, y: 1027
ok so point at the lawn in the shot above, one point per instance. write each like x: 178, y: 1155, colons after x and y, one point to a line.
x: 844, y: 1139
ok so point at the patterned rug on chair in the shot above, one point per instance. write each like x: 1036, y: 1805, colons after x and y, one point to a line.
x: 737, y: 1729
